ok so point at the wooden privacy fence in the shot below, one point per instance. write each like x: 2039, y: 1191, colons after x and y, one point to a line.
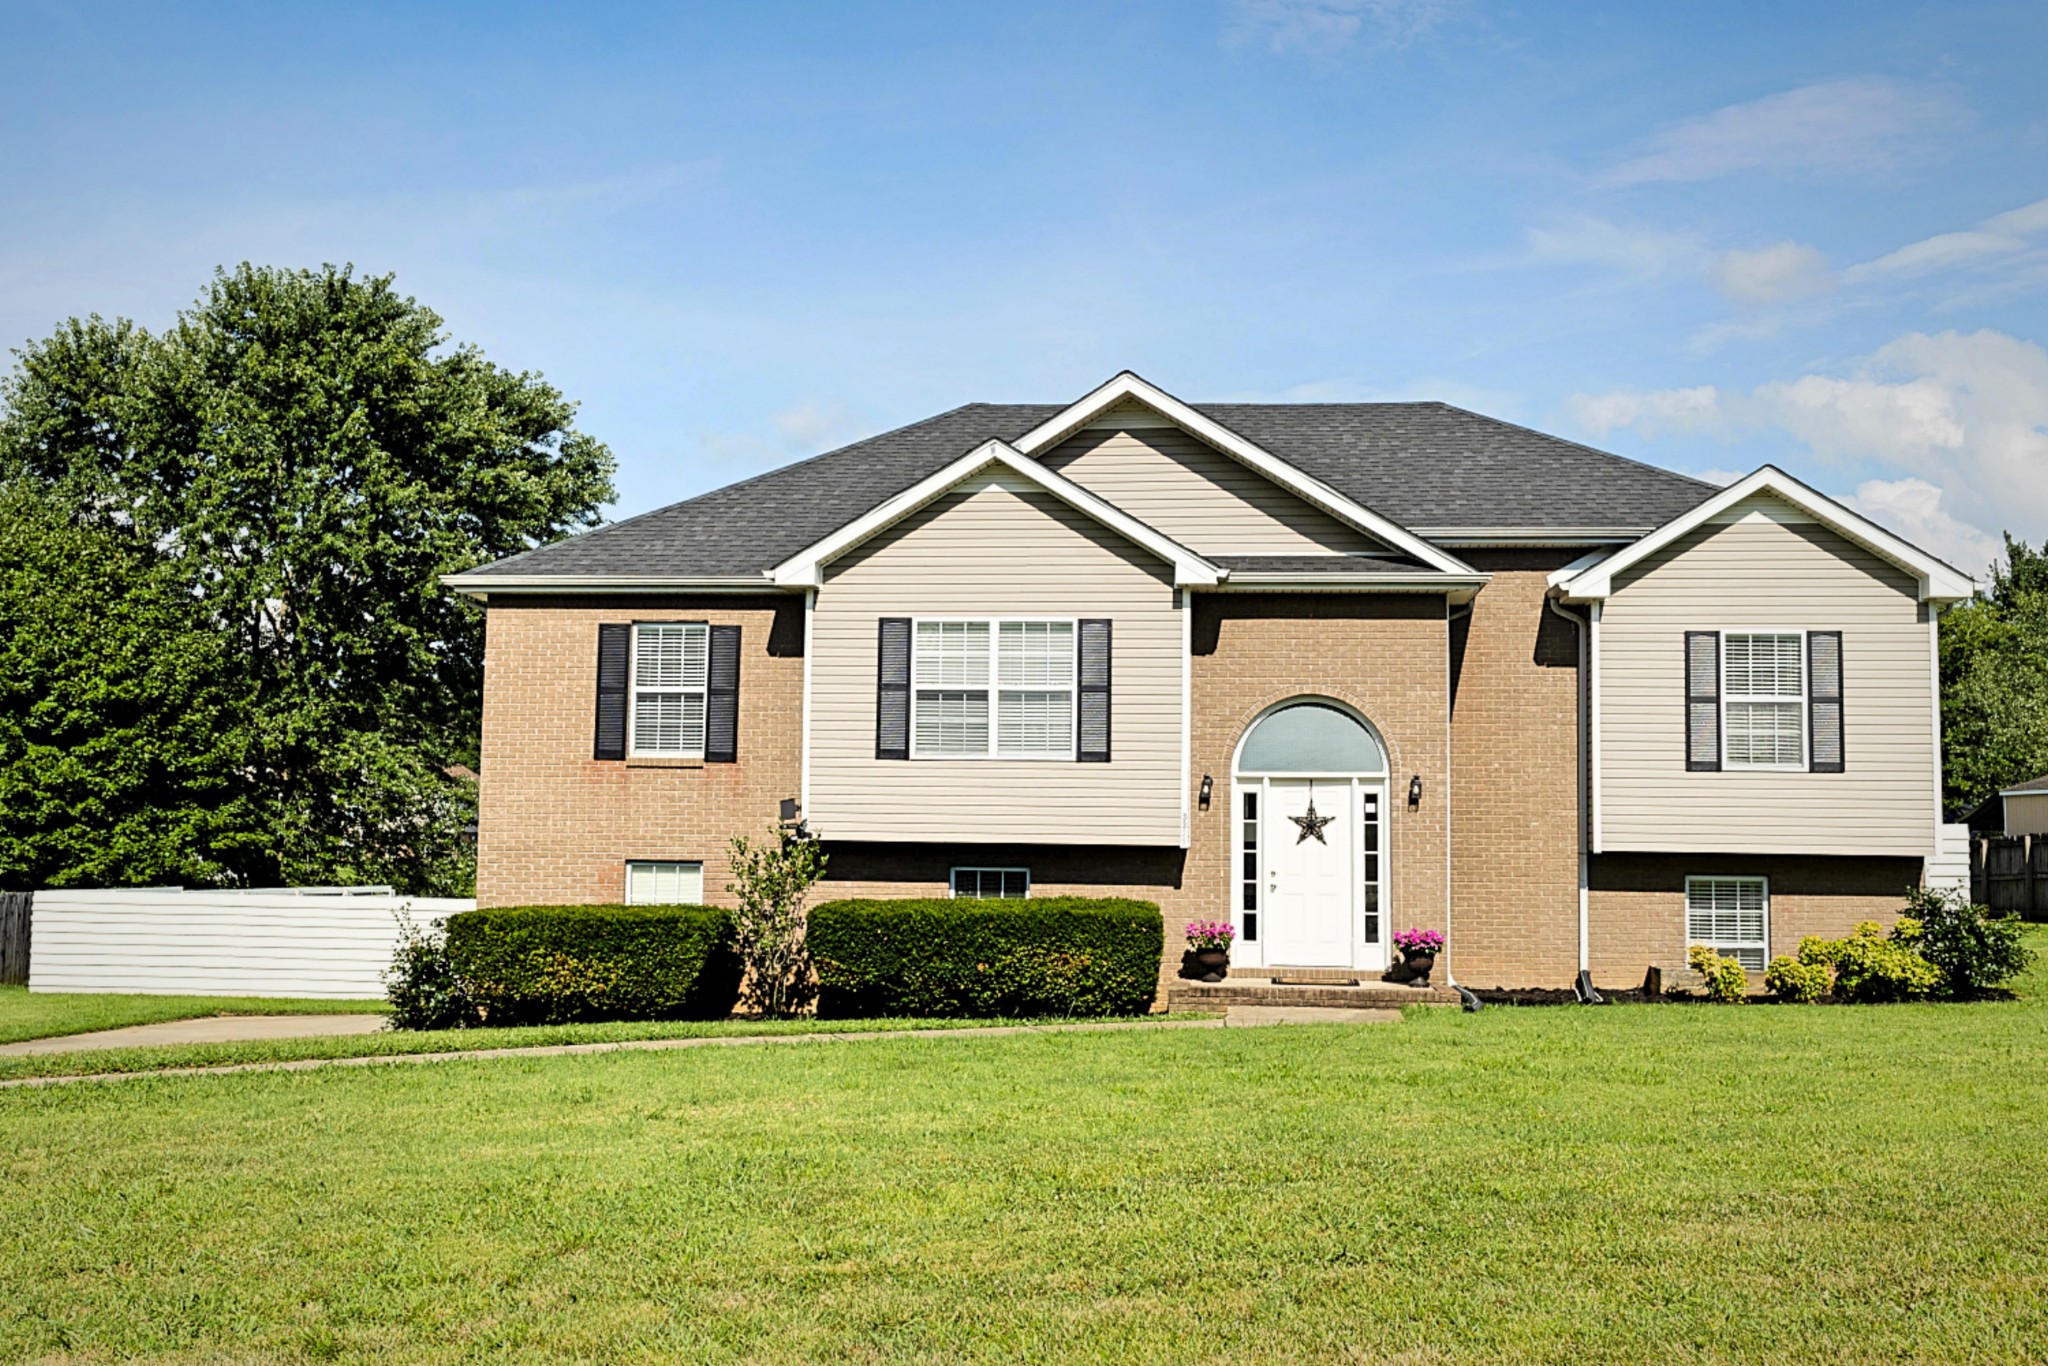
x: 14, y: 908
x: 2010, y: 873
x: 318, y: 941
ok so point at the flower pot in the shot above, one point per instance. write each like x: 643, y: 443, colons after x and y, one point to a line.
x: 1212, y: 965
x: 1419, y: 965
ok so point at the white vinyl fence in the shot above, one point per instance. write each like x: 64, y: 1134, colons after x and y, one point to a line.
x: 305, y: 941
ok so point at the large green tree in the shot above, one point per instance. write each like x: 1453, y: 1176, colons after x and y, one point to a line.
x: 1994, y: 682
x: 304, y: 453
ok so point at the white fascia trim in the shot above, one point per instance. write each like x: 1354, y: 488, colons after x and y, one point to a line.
x: 1127, y: 385
x: 1938, y: 581
x: 482, y: 585
x: 806, y: 568
x: 2024, y: 792
x: 1559, y: 577
x: 1457, y: 587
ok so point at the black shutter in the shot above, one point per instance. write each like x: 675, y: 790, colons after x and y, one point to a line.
x: 614, y: 649
x: 1824, y: 701
x: 892, y: 689
x: 722, y: 698
x: 1094, y: 679
x: 1703, y: 701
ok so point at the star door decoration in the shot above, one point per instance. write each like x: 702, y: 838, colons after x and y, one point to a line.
x: 1311, y: 823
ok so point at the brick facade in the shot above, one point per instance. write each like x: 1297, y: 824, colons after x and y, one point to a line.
x: 1515, y: 779
x: 1636, y: 905
x: 556, y: 826
x: 1495, y: 753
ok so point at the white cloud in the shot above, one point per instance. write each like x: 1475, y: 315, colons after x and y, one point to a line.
x: 2020, y: 222
x: 1864, y: 124
x: 1773, y: 274
x: 1963, y: 415
x: 810, y: 427
x: 1657, y: 412
x: 1637, y: 252
x: 1722, y: 477
x: 1912, y: 507
x: 1943, y: 251
x: 1317, y: 26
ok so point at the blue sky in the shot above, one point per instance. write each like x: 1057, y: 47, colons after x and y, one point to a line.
x: 1703, y: 235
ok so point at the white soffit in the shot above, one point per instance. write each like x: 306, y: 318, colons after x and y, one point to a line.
x: 806, y: 567
x: 1938, y: 580
x: 1128, y: 386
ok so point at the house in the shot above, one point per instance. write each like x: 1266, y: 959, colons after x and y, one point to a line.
x: 1331, y: 670
x: 2021, y: 809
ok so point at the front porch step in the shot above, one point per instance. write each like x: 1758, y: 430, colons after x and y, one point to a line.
x: 1363, y: 994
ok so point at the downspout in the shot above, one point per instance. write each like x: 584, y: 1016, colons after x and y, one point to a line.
x: 1583, y: 704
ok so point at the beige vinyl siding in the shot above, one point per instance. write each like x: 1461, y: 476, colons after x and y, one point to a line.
x: 1767, y: 567
x: 1188, y: 490
x: 998, y: 546
x: 2026, y: 813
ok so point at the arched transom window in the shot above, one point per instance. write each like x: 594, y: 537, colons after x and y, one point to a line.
x: 1311, y: 737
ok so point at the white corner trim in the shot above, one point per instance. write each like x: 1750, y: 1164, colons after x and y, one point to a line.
x: 1187, y: 712
x: 803, y: 788
x: 1127, y: 385
x: 806, y: 568
x: 1593, y: 706
x: 1938, y: 581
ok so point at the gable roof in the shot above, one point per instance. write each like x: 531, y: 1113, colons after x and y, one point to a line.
x: 1938, y: 581
x: 806, y: 567
x: 1428, y: 468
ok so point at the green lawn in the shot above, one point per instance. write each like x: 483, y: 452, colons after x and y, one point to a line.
x: 1623, y: 1184
x: 46, y: 1014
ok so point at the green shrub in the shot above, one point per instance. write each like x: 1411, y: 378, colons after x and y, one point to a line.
x: 1725, y: 980
x: 1792, y: 980
x: 422, y: 985
x: 555, y: 964
x: 1974, y: 950
x: 1872, y: 966
x: 1051, y: 956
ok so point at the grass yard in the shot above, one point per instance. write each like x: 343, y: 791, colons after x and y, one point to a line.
x: 1623, y: 1184
x: 47, y: 1014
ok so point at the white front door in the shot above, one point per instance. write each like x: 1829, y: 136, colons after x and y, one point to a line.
x: 1311, y: 837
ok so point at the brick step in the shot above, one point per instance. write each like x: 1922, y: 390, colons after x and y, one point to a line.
x: 1255, y: 991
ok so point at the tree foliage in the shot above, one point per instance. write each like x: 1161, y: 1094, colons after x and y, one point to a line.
x: 1994, y: 682
x: 303, y: 455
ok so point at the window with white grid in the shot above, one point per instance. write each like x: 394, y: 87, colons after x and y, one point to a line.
x: 664, y: 884
x: 1763, y: 698
x: 1026, y: 668
x: 1007, y: 883
x: 671, y: 668
x: 1730, y: 915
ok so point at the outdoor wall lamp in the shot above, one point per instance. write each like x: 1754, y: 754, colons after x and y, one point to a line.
x: 1207, y: 785
x: 1415, y: 790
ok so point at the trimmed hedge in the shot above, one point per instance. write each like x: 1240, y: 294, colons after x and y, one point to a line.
x: 1051, y: 956
x: 556, y: 964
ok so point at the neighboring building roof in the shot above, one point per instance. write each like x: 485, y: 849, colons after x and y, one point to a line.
x: 1428, y: 467
x: 2039, y: 784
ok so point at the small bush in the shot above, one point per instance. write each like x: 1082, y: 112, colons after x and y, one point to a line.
x: 1974, y: 950
x: 1052, y: 956
x: 1792, y: 980
x: 1871, y: 966
x: 770, y: 881
x: 1724, y: 977
x: 557, y: 964
x: 422, y: 985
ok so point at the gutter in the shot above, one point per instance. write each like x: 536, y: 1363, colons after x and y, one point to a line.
x: 475, y: 585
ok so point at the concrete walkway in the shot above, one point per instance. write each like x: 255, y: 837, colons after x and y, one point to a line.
x: 206, y: 1029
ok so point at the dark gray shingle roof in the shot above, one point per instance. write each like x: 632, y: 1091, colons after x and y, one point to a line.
x: 1417, y: 464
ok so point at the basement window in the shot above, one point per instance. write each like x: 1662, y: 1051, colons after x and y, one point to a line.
x: 1005, y: 883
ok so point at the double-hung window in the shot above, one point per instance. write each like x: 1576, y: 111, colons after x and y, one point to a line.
x: 1763, y: 696
x: 671, y: 672
x: 1730, y: 915
x: 993, y: 689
